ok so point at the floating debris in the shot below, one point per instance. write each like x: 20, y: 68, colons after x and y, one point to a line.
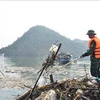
x: 70, y: 89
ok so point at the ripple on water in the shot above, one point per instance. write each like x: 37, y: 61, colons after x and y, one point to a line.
x: 10, y: 93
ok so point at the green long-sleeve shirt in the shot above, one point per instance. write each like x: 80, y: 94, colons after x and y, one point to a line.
x: 91, y: 50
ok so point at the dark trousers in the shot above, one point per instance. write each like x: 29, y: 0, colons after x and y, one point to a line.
x: 95, y: 67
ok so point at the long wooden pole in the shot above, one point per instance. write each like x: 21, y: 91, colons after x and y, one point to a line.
x: 75, y: 60
x: 31, y: 96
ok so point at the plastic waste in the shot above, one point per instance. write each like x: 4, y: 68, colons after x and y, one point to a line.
x: 51, y: 95
x: 42, y: 81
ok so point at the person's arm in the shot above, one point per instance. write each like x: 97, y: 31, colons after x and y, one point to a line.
x: 91, y: 50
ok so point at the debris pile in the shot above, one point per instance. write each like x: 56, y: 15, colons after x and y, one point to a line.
x: 70, y: 89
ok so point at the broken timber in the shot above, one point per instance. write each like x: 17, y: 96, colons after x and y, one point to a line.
x: 71, y: 89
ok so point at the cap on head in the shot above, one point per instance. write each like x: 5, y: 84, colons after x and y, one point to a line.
x: 91, y: 32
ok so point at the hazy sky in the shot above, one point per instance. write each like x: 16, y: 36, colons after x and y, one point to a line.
x: 69, y: 18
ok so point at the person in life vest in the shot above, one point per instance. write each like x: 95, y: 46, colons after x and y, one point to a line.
x: 94, y: 53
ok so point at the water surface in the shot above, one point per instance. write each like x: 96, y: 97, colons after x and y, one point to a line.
x: 23, y: 71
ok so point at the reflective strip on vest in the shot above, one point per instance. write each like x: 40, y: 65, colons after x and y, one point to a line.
x: 97, y: 49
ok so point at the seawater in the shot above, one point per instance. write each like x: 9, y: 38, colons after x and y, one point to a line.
x: 10, y: 93
x: 76, y: 70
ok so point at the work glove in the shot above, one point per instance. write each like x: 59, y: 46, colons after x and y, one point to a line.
x: 75, y: 60
x: 81, y: 56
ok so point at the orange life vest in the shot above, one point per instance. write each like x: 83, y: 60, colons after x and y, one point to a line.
x: 97, y: 48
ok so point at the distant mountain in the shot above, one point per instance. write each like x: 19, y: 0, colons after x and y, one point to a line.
x: 37, y: 41
x: 81, y: 42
